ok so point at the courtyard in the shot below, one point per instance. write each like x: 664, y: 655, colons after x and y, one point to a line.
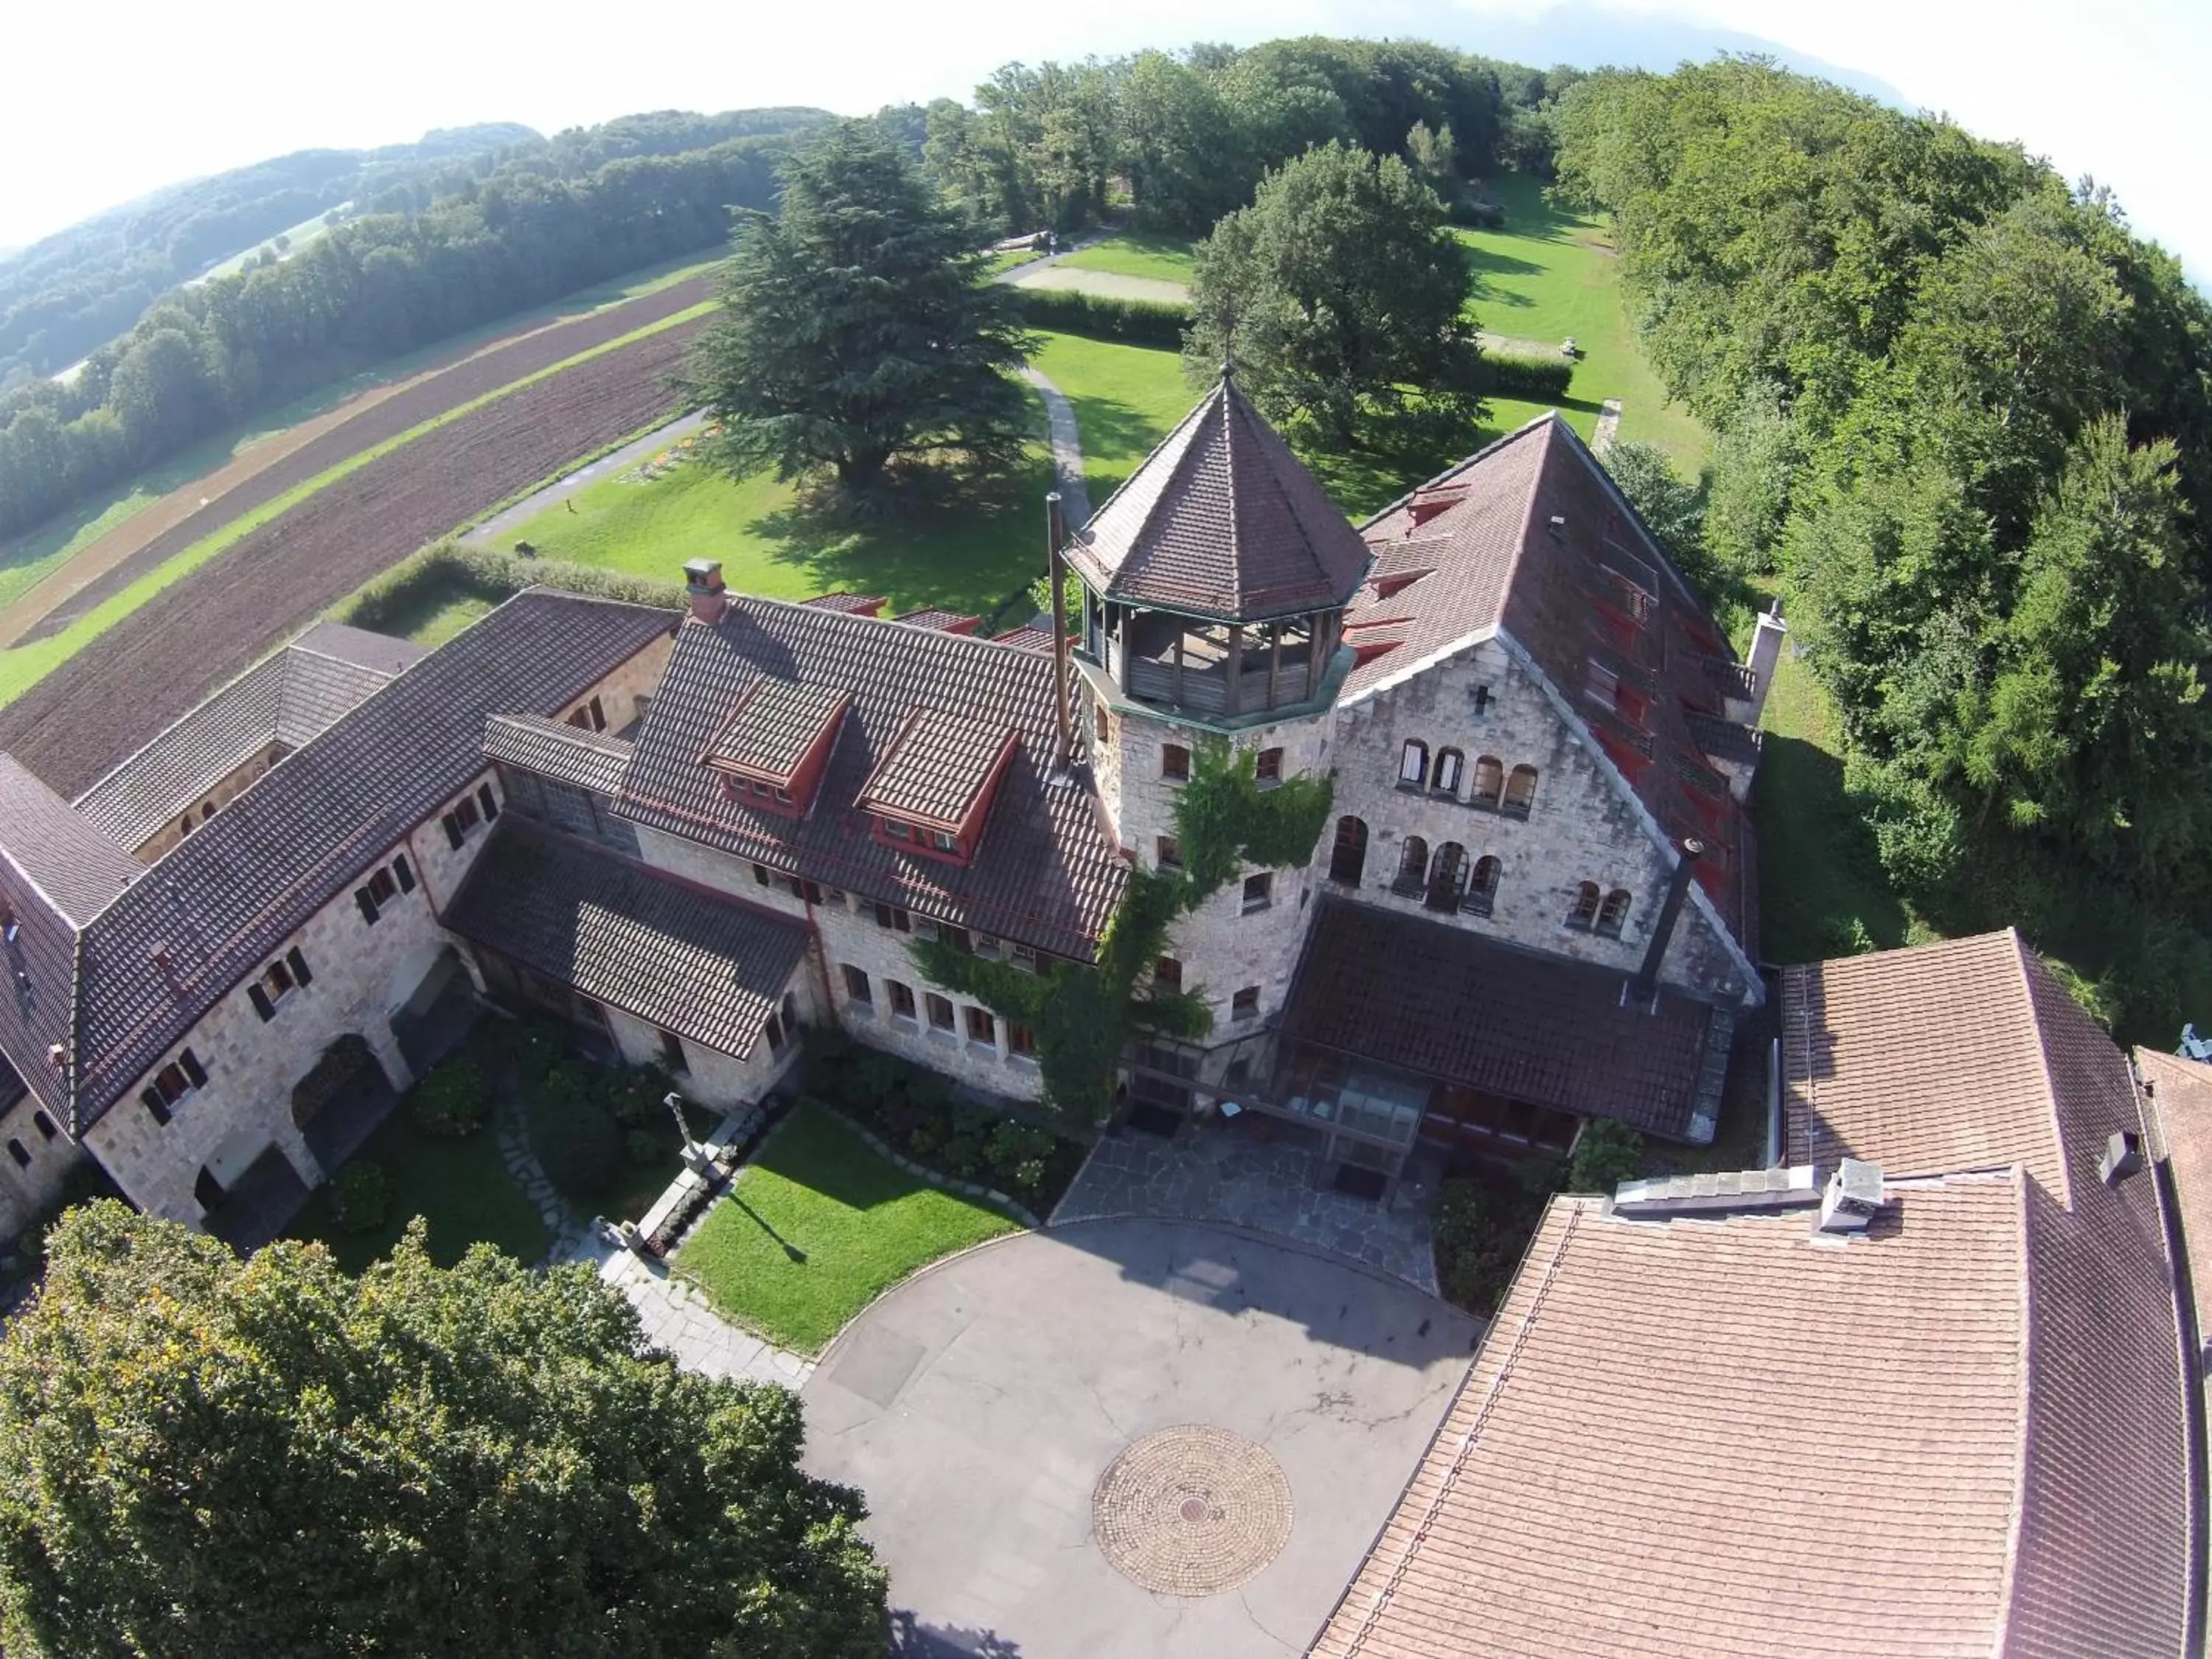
x: 1131, y: 1437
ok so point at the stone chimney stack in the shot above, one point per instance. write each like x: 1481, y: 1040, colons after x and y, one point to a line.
x: 1055, y: 575
x: 1852, y: 1198
x: 702, y: 584
x: 1766, y: 653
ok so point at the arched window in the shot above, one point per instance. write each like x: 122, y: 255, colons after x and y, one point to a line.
x: 1489, y: 781
x: 22, y: 1156
x: 1614, y: 912
x: 1412, y: 867
x: 1520, y: 790
x: 1348, y: 861
x: 1414, y: 762
x: 1449, y: 764
x: 1446, y: 877
x: 1482, y: 887
x: 1587, y: 899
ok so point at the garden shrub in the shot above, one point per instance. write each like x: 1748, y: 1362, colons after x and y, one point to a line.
x: 361, y: 1193
x: 644, y: 1148
x: 1105, y: 317
x: 1606, y: 1153
x: 576, y: 1137
x: 1481, y: 1228
x: 453, y: 1101
x: 638, y: 1094
x: 484, y: 572
x: 1534, y: 380
x: 1016, y: 1154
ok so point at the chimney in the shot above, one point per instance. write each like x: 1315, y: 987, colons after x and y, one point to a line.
x: 2123, y: 1158
x: 702, y: 585
x: 1852, y: 1198
x: 1055, y: 577
x: 1766, y: 652
x: 1645, y: 986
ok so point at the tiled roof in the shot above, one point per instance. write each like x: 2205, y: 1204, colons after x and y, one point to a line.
x: 775, y: 724
x: 1969, y: 1053
x: 77, y: 870
x: 935, y: 767
x: 861, y: 604
x: 1726, y: 739
x: 1529, y: 539
x: 231, y: 892
x: 1026, y: 638
x: 1431, y: 998
x: 288, y: 698
x: 1222, y: 520
x: 2180, y: 1092
x: 1046, y: 873
x: 703, y: 966
x: 952, y: 622
x: 554, y: 749
x: 56, y: 871
x: 1722, y: 1438
x: 1923, y: 1059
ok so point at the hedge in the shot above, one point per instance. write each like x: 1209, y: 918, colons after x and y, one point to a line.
x: 1534, y: 380
x: 447, y: 568
x: 1104, y: 317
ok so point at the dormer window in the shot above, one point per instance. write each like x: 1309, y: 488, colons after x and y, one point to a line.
x: 774, y: 746
x: 930, y: 793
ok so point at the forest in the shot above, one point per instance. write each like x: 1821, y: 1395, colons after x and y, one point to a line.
x: 1963, y: 423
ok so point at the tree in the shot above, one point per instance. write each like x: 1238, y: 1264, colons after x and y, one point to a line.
x: 229, y: 1460
x: 1337, y: 292
x: 1435, y: 158
x: 859, y: 332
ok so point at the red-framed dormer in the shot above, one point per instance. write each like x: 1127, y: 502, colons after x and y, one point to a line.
x: 776, y: 744
x: 931, y: 792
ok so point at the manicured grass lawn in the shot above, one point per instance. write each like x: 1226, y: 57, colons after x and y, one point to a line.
x: 461, y: 1187
x: 971, y: 558
x: 819, y: 1225
x: 1127, y: 399
x: 1550, y: 274
x: 1166, y: 258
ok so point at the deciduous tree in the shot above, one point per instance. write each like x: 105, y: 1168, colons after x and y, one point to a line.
x: 205, y: 1458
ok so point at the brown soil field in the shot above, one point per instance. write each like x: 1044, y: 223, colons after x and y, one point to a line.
x: 155, y: 664
x: 265, y: 471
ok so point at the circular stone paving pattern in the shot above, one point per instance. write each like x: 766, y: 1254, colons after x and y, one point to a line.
x: 1191, y: 1511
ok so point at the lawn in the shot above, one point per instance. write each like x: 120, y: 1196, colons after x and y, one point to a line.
x: 461, y: 1187
x: 1550, y: 274
x: 1126, y: 397
x: 818, y: 1225
x: 1163, y: 259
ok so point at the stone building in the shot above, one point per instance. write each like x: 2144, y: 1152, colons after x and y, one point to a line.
x: 693, y: 835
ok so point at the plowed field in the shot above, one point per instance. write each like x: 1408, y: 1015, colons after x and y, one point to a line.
x: 128, y: 552
x: 162, y: 659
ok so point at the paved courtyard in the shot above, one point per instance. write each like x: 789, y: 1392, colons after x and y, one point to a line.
x: 1279, y: 1187
x: 1142, y: 1439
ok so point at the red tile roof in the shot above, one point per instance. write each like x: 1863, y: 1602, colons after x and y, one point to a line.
x: 775, y: 726
x: 951, y: 622
x: 1528, y: 538
x: 1222, y: 520
x: 935, y: 767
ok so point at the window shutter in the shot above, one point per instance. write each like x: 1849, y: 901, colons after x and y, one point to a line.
x: 367, y: 905
x: 156, y: 1108
x: 406, y: 876
x: 194, y: 1074
x: 261, y: 1006
x: 454, y: 833
x: 490, y: 802
x: 299, y: 965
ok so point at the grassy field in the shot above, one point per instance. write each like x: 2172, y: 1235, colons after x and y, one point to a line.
x: 460, y: 1188
x: 30, y: 558
x: 22, y: 666
x: 819, y: 1225
x: 1127, y: 399
x: 1550, y: 274
x: 1164, y: 258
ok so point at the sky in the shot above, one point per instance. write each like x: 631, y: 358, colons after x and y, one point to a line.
x: 106, y: 104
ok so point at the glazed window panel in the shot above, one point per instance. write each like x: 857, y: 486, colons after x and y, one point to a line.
x: 1520, y: 790
x: 1614, y: 913
x: 1414, y: 762
x: 1583, y: 912
x: 1451, y: 764
x: 1489, y: 781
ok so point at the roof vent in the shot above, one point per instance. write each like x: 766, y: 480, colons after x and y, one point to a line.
x: 1558, y: 527
x: 2123, y: 1158
x: 57, y: 1057
x: 160, y: 953
x: 1852, y: 1198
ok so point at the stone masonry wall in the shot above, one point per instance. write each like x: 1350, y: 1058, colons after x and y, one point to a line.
x: 846, y: 932
x: 712, y: 1079
x: 26, y: 1189
x: 1581, y: 825
x: 224, y: 791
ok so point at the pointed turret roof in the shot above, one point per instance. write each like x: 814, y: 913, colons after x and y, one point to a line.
x: 1222, y: 520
